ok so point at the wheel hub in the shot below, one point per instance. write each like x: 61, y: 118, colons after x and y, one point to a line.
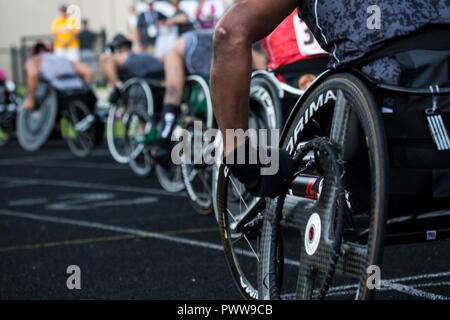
x: 312, y: 234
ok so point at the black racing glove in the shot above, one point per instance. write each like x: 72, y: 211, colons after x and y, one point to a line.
x: 114, y: 97
x: 256, y: 184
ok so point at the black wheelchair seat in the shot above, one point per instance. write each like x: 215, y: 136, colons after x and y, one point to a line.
x: 292, y: 72
x: 66, y: 94
x: 417, y: 166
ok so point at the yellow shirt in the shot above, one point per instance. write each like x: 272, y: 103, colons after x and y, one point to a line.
x: 65, y: 32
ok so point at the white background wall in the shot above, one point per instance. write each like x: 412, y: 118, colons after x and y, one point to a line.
x: 34, y: 17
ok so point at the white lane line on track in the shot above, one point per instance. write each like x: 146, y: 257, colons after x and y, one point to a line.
x: 402, y: 279
x: 432, y: 284
x: 12, y: 184
x: 38, y: 158
x: 76, y: 165
x: 412, y: 291
x: 349, y: 292
x: 106, y: 227
x: 93, y: 186
x: 386, y: 285
x: 34, y: 159
x: 130, y: 231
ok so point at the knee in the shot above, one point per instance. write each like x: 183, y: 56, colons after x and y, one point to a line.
x: 230, y: 37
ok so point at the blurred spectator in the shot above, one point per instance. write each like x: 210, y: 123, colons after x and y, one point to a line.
x: 88, y: 40
x: 132, y: 20
x: 180, y: 19
x: 169, y: 31
x: 148, y: 27
x: 65, y: 30
x: 86, y: 37
x: 207, y: 14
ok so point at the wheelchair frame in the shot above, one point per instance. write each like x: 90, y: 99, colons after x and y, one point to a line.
x: 407, y: 227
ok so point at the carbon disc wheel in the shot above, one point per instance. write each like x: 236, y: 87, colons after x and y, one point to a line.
x: 338, y: 137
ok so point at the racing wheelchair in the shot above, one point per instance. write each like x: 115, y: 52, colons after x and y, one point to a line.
x: 272, y: 96
x: 200, y: 177
x: 73, y: 105
x: 370, y: 172
x: 134, y: 117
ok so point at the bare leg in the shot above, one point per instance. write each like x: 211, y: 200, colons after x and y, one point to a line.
x: 245, y: 23
x: 175, y: 80
x: 175, y: 74
x: 32, y: 69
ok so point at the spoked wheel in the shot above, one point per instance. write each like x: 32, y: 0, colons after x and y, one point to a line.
x: 140, y: 160
x: 133, y: 91
x: 170, y: 179
x: 241, y: 248
x: 335, y: 215
x: 78, y: 128
x: 35, y: 126
x: 240, y: 219
x: 197, y: 174
x: 116, y: 127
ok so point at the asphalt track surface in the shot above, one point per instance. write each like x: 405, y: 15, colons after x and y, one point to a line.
x: 132, y: 240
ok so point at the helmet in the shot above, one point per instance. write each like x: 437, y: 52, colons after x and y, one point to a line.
x: 39, y: 47
x: 120, y: 41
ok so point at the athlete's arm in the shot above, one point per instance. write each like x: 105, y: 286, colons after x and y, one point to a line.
x: 85, y: 72
x: 246, y: 22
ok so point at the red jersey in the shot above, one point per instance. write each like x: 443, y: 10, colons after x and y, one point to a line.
x: 290, y: 42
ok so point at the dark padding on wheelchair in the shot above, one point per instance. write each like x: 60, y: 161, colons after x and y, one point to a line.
x: 441, y: 184
x: 412, y: 125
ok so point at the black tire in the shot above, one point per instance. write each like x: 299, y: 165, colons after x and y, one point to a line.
x: 118, y: 118
x: 140, y: 161
x: 231, y: 198
x: 265, y: 102
x: 35, y: 126
x: 238, y: 254
x: 171, y: 180
x: 362, y: 245
x: 197, y: 177
x: 142, y: 111
x: 80, y: 143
